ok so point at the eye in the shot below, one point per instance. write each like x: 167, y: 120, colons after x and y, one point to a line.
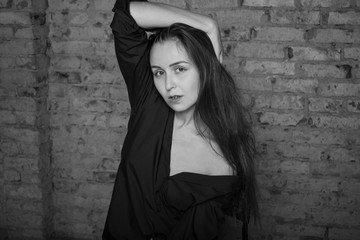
x: 180, y: 69
x: 158, y: 73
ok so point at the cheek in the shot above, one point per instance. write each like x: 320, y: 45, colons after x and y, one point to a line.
x: 159, y: 86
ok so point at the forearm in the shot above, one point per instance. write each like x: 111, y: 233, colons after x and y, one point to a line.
x: 158, y: 15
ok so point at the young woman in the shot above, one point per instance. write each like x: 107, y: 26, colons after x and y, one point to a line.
x: 187, y: 168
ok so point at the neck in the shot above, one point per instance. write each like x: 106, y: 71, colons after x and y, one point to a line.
x: 184, y: 119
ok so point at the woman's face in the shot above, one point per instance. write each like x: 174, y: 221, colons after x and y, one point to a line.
x: 175, y: 76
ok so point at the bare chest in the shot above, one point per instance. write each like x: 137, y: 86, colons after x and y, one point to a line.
x: 192, y: 153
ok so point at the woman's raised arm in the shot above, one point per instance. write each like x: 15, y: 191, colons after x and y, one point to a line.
x: 156, y: 15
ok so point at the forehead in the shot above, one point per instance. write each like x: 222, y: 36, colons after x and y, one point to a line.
x: 167, y: 52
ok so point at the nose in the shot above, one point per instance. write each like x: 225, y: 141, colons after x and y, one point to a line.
x: 169, y: 82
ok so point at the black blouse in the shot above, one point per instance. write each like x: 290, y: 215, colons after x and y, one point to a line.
x: 147, y: 202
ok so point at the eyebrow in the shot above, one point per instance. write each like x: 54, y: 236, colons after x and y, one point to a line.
x: 173, y: 64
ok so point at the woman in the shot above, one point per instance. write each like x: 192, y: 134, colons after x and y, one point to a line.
x: 187, y: 167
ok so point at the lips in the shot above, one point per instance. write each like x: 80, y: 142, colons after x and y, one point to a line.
x: 175, y: 97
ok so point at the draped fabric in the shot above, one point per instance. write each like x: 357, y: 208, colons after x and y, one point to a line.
x: 148, y: 203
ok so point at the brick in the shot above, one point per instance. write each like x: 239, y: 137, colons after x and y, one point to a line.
x: 282, y: 119
x: 24, y: 191
x: 26, y: 33
x: 22, y: 169
x: 341, y: 155
x: 339, y: 89
x: 344, y: 170
x: 74, y: 229
x: 70, y: 18
x: 19, y: 206
x: 89, y: 91
x: 20, y: 46
x: 70, y: 166
x: 269, y: 166
x: 23, y: 4
x: 6, y: 33
x: 71, y: 77
x: 73, y: 47
x: 347, y: 234
x: 23, y: 233
x: 57, y: 90
x: 181, y: 3
x: 5, y: 3
x: 108, y: 77
x: 278, y: 34
x: 105, y: 5
x: 214, y: 4
x: 18, y: 104
x: 326, y: 105
x: 301, y: 230
x: 12, y: 176
x: 7, y: 62
x: 18, y: 118
x: 352, y: 53
x: 355, y: 70
x: 278, y: 84
x: 353, y: 106
x: 21, y: 135
x: 334, y: 36
x: 268, y: 3
x: 331, y: 216
x: 313, y: 53
x: 58, y: 105
x: 274, y: 134
x: 281, y: 213
x: 325, y: 3
x: 294, y: 167
x: 19, y: 148
x: 350, y: 187
x: 279, y: 102
x: 22, y: 18
x: 324, y: 71
x: 235, y: 24
x: 236, y: 17
x: 116, y: 121
x: 95, y: 190
x: 334, y: 137
x: 305, y: 184
x: 267, y: 67
x: 254, y: 50
x: 348, y: 18
x: 31, y: 220
x: 290, y: 150
x: 64, y: 199
x: 92, y: 105
x: 83, y: 47
x: 103, y: 18
x: 98, y: 120
x: 290, y: 16
x: 69, y: 5
x: 66, y: 62
x: 108, y: 63
x: 81, y: 33
x: 335, y: 122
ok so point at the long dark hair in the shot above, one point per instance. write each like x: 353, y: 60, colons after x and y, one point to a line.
x: 219, y: 108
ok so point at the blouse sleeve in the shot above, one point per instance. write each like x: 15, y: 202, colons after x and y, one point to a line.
x: 132, y: 50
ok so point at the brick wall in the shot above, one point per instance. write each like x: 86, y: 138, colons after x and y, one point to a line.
x: 64, y: 111
x: 25, y: 176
